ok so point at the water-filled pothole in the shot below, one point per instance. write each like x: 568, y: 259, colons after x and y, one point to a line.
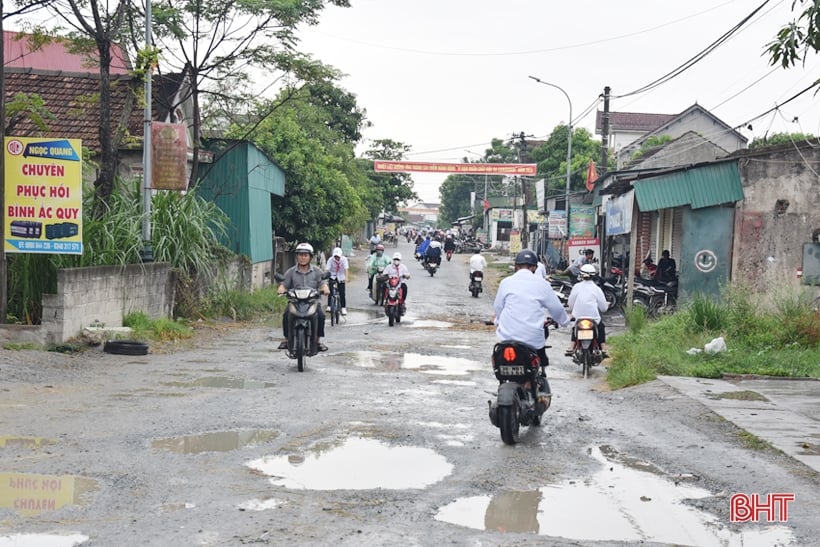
x: 625, y: 504
x: 221, y: 381
x: 357, y: 464
x: 429, y: 364
x: 29, y: 494
x: 214, y: 441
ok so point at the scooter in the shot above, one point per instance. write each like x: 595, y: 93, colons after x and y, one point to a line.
x: 303, y: 318
x: 562, y: 288
x: 393, y: 301
x: 377, y: 287
x: 476, y: 278
x: 449, y: 253
x: 587, y: 351
x: 432, y: 264
x: 523, y: 392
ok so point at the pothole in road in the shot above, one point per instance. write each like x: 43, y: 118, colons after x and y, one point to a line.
x: 429, y: 364
x: 29, y: 494
x: 428, y: 323
x: 626, y: 505
x: 215, y: 441
x: 8, y: 441
x: 220, y: 381
x: 357, y: 464
x: 42, y: 540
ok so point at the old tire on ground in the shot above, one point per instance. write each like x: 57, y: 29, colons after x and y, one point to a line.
x: 125, y: 347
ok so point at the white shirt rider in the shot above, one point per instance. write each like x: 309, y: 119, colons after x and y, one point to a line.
x: 477, y: 263
x: 396, y: 269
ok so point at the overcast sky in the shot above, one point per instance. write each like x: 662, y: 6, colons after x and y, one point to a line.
x: 445, y: 76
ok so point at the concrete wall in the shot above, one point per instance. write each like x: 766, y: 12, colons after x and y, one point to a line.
x: 104, y: 294
x: 780, y: 211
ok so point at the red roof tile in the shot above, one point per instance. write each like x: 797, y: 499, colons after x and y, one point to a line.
x: 632, y: 121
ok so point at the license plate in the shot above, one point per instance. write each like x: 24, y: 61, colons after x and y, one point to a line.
x: 585, y: 335
x: 511, y: 370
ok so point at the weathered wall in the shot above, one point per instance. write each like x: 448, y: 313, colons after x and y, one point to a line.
x: 104, y: 294
x: 780, y: 211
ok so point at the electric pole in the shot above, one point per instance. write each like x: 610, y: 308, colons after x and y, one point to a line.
x: 605, y: 131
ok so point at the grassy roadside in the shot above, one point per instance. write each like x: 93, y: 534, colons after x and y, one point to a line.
x: 782, y: 341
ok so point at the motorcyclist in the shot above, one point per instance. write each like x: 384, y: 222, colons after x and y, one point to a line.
x: 521, y: 303
x: 421, y: 250
x: 397, y: 269
x: 375, y: 240
x: 586, y: 300
x: 449, y: 244
x: 433, y: 253
x: 477, y: 263
x: 374, y: 262
x: 338, y: 266
x: 304, y: 275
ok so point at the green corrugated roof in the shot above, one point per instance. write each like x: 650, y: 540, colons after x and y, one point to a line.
x: 701, y: 186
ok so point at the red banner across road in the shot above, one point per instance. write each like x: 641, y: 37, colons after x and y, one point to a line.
x: 463, y: 168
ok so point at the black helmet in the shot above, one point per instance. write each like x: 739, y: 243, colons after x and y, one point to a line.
x: 526, y: 257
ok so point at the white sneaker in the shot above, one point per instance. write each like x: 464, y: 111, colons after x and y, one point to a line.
x: 327, y: 309
x: 344, y: 311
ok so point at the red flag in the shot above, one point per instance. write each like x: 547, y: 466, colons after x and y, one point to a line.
x: 592, y: 176
x: 486, y: 205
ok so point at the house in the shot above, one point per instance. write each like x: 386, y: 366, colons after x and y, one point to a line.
x: 626, y: 127
x: 696, y: 120
x: 241, y: 181
x: 426, y: 212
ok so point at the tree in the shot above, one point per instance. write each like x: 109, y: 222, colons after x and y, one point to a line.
x: 219, y: 41
x: 455, y: 197
x: 394, y: 188
x: 551, y: 157
x: 782, y: 138
x: 798, y: 38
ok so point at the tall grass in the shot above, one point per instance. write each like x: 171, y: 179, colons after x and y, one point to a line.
x: 780, y: 339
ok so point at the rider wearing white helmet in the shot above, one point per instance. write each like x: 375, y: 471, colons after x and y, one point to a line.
x: 304, y: 275
x: 586, y: 300
x: 338, y: 266
x: 397, y: 269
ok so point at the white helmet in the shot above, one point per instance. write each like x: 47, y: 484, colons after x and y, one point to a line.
x: 337, y: 251
x: 588, y: 270
x: 397, y: 256
x: 304, y: 248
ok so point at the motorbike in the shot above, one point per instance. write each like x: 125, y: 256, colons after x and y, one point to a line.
x: 393, y: 301
x: 657, y: 298
x: 377, y: 287
x: 562, y: 288
x: 523, y: 395
x: 303, y: 318
x: 449, y: 253
x: 432, y: 264
x: 476, y: 279
x: 587, y: 352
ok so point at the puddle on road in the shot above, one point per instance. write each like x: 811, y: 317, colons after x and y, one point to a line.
x: 29, y: 494
x: 42, y: 540
x: 220, y: 381
x: 625, y: 504
x: 215, y: 441
x: 357, y: 464
x: 8, y: 441
x: 429, y: 364
x: 428, y: 323
x: 260, y: 505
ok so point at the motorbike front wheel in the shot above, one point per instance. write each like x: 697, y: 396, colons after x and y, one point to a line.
x: 508, y: 423
x: 300, y: 349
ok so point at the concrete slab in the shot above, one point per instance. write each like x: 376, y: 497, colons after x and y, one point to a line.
x: 785, y: 412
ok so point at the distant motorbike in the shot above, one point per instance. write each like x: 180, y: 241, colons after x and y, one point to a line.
x: 393, y: 301
x: 303, y: 318
x: 476, y: 279
x: 432, y: 264
x: 562, y: 288
x: 522, y: 396
x: 656, y: 297
x: 587, y: 351
x: 449, y: 253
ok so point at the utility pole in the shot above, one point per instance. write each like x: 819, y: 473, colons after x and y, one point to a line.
x: 605, y: 131
x: 525, y: 232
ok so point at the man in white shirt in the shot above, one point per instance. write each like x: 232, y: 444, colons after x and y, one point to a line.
x: 522, y: 303
x: 477, y: 263
x: 586, y: 300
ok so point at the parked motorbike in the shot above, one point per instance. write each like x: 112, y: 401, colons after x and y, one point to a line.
x: 476, y: 279
x: 303, y: 318
x: 587, y: 352
x: 561, y: 286
x: 523, y: 395
x: 657, y: 298
x: 377, y: 287
x: 393, y: 301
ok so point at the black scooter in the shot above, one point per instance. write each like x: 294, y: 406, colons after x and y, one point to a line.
x: 303, y: 318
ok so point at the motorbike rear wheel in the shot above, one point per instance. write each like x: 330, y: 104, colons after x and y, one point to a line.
x: 508, y: 423
x: 391, y: 315
x: 475, y: 292
x: 587, y: 364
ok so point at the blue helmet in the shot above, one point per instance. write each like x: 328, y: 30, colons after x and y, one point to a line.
x: 526, y: 257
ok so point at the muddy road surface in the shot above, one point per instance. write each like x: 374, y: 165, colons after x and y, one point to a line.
x: 382, y: 440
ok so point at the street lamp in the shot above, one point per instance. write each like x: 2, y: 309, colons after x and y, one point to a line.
x: 569, y: 141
